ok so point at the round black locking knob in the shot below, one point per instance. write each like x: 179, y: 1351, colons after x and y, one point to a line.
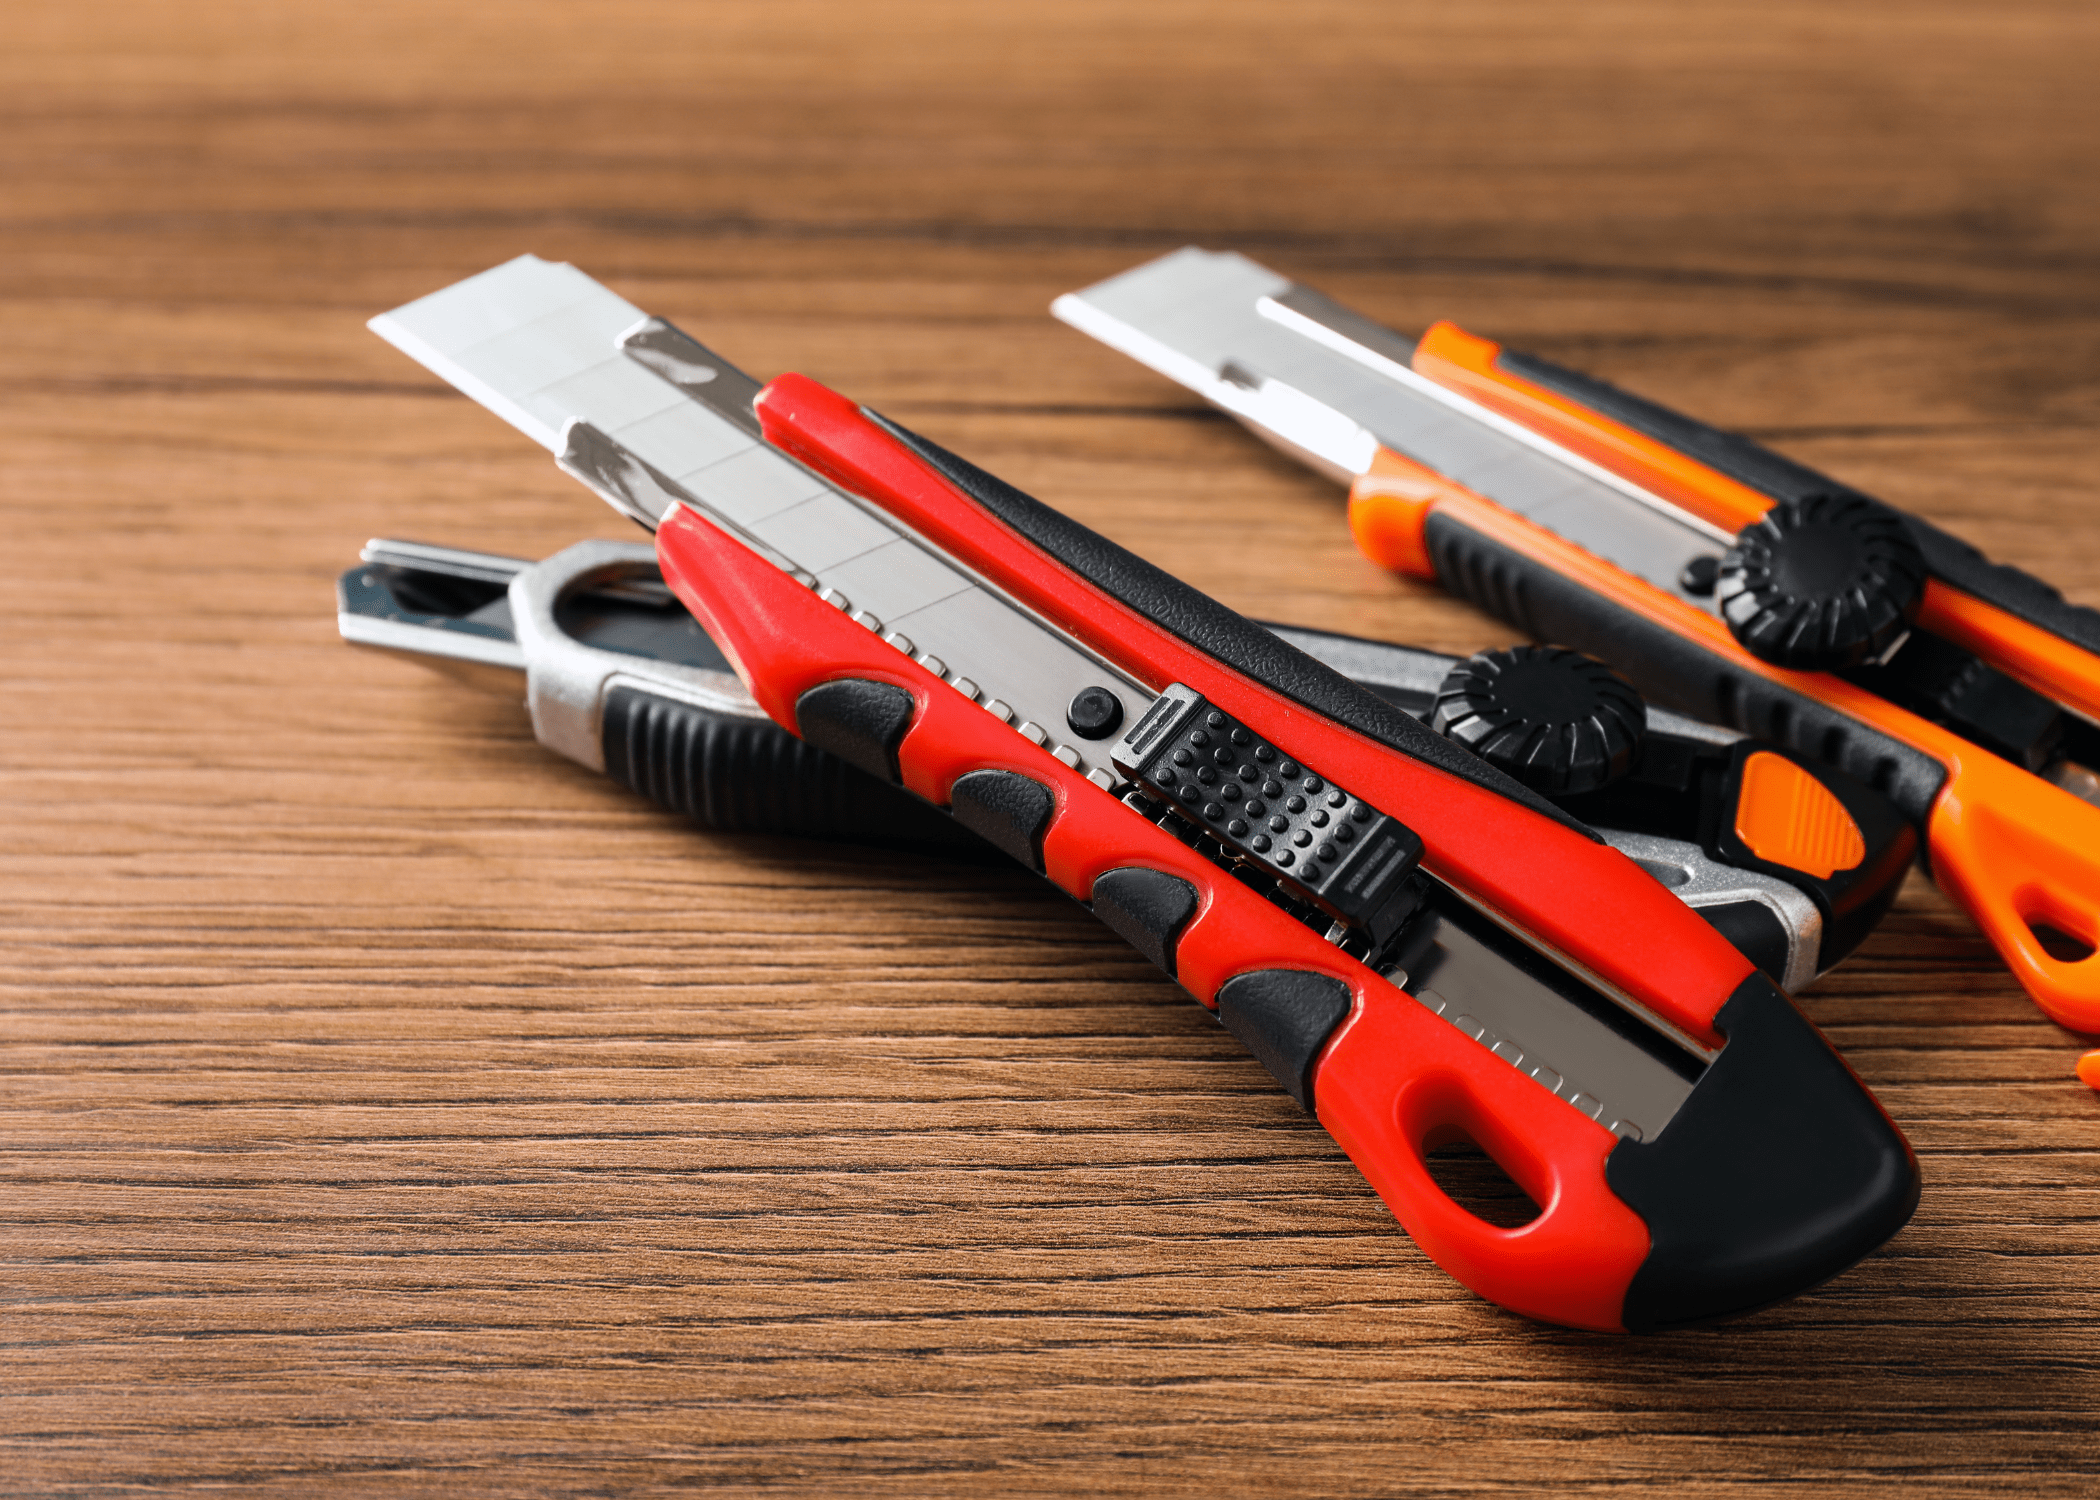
x: 1558, y: 721
x: 1822, y: 583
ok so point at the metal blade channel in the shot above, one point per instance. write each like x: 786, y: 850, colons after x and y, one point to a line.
x: 647, y: 416
x: 1300, y: 369
x: 1576, y: 1041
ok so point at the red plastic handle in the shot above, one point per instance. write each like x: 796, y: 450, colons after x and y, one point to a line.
x: 1394, y: 1077
x: 1584, y: 898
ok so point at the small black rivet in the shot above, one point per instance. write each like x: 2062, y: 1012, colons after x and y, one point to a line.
x: 1095, y: 713
x: 1699, y: 576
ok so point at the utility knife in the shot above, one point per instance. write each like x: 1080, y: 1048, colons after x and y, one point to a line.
x: 1415, y: 944
x: 1727, y: 581
x: 619, y: 677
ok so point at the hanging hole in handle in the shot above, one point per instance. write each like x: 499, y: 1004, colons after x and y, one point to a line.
x: 2063, y: 933
x: 2064, y: 947
x: 1475, y: 1181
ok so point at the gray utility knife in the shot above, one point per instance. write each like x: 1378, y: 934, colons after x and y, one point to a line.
x: 597, y: 617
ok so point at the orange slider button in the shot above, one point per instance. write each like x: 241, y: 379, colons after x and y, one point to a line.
x: 1787, y: 817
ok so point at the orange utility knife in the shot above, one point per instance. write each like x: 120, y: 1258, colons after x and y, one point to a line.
x: 1727, y: 581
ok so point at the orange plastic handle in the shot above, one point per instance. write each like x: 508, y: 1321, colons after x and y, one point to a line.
x: 1466, y: 363
x: 2018, y: 853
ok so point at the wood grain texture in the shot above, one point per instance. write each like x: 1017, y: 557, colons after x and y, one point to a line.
x: 388, y: 1108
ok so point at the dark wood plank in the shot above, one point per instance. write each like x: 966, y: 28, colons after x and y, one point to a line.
x: 390, y: 1108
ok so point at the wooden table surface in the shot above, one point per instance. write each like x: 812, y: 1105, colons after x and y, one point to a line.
x: 392, y: 1108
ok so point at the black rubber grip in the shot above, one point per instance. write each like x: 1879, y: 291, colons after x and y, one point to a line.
x: 1777, y: 1122
x: 1673, y: 670
x: 860, y: 722
x: 736, y: 774
x: 1212, y: 628
x: 1284, y: 1017
x: 1146, y: 909
x: 1947, y: 557
x: 1009, y: 811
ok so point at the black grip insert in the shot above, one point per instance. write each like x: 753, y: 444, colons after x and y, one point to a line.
x: 1146, y: 909
x: 860, y: 722
x: 1007, y: 810
x: 736, y: 773
x: 1284, y: 1017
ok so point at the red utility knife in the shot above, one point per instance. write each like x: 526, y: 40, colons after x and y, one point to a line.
x: 1417, y: 947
